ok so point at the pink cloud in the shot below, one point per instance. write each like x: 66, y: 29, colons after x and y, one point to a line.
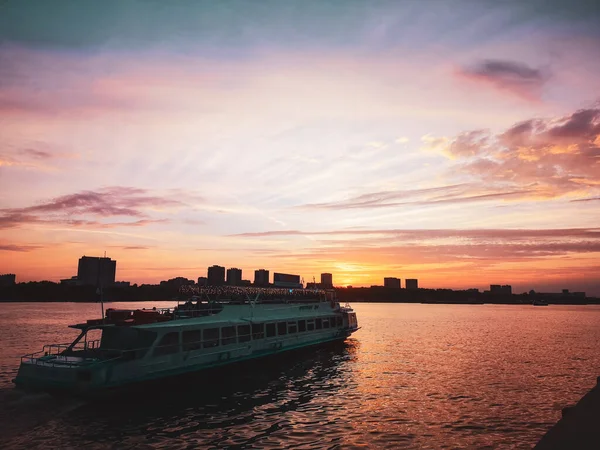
x: 509, y: 76
x: 551, y: 157
x: 72, y: 209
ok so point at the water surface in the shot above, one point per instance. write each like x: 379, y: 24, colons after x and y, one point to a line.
x: 414, y: 376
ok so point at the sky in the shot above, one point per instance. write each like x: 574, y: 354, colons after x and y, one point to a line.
x: 454, y: 142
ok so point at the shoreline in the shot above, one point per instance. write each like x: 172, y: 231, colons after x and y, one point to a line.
x: 341, y: 301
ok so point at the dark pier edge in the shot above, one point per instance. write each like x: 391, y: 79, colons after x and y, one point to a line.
x: 579, y: 427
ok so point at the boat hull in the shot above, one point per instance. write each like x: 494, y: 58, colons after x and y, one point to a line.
x: 101, y: 378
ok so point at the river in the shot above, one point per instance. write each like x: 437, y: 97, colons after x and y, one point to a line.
x: 414, y: 376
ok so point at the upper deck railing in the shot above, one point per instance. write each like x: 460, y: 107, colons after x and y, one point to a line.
x: 242, y: 294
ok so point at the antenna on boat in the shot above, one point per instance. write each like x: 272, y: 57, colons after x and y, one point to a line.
x: 100, y: 291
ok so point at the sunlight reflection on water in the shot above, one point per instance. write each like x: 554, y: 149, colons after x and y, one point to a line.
x: 414, y: 376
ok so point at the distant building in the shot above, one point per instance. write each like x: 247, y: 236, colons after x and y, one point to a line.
x: 564, y: 294
x: 73, y: 281
x: 498, y: 289
x: 412, y: 284
x: 286, y: 280
x: 234, y: 276
x: 326, y: 281
x: 177, y: 282
x: 8, y: 279
x: 261, y: 277
x: 216, y: 276
x: 96, y: 271
x: 122, y: 283
x: 202, y: 281
x: 391, y: 282
x: 246, y: 283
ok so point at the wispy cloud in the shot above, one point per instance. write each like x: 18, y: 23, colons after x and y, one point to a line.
x: 592, y: 199
x: 452, y: 194
x: 416, y: 234
x: 514, y: 77
x: 38, y: 154
x: 75, y: 209
x: 133, y: 247
x: 18, y: 248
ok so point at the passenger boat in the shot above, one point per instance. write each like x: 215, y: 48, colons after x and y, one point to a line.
x: 216, y: 327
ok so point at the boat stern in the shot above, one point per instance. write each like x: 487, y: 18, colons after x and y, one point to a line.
x: 52, y: 372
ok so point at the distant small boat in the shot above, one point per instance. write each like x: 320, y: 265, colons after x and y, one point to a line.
x: 540, y: 303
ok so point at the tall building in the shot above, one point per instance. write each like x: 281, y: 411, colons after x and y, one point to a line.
x: 234, y: 276
x: 8, y: 279
x: 326, y: 281
x: 202, y: 281
x: 286, y: 280
x: 216, y: 276
x: 261, y: 277
x: 96, y: 271
x: 411, y: 283
x: 391, y: 282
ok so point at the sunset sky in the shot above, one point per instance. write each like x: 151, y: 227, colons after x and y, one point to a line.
x: 457, y: 142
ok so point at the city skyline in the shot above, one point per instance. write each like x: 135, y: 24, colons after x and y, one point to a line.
x: 457, y: 146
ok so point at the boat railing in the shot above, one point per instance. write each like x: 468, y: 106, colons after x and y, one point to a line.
x: 58, y: 350
x: 255, y: 294
x: 54, y: 354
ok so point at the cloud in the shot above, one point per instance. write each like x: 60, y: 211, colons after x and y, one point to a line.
x: 515, y: 77
x: 133, y: 247
x: 434, y: 144
x: 417, y: 234
x: 38, y: 154
x: 18, y: 248
x: 7, y: 160
x: 76, y: 209
x: 458, y: 193
x: 31, y: 158
x: 550, y: 157
x: 471, y: 253
x: 444, y: 247
x: 586, y: 199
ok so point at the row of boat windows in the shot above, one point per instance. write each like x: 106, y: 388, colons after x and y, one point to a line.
x: 213, y: 337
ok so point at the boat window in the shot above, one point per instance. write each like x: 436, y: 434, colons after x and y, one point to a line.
x: 318, y: 324
x: 281, y: 328
x: 168, y: 344
x: 258, y: 330
x: 228, y: 335
x: 310, y: 325
x: 126, y: 338
x: 325, y: 323
x: 270, y: 329
x: 192, y: 340
x: 210, y: 337
x: 339, y: 321
x: 92, y: 339
x: 243, y: 333
x: 292, y: 327
x: 301, y: 326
